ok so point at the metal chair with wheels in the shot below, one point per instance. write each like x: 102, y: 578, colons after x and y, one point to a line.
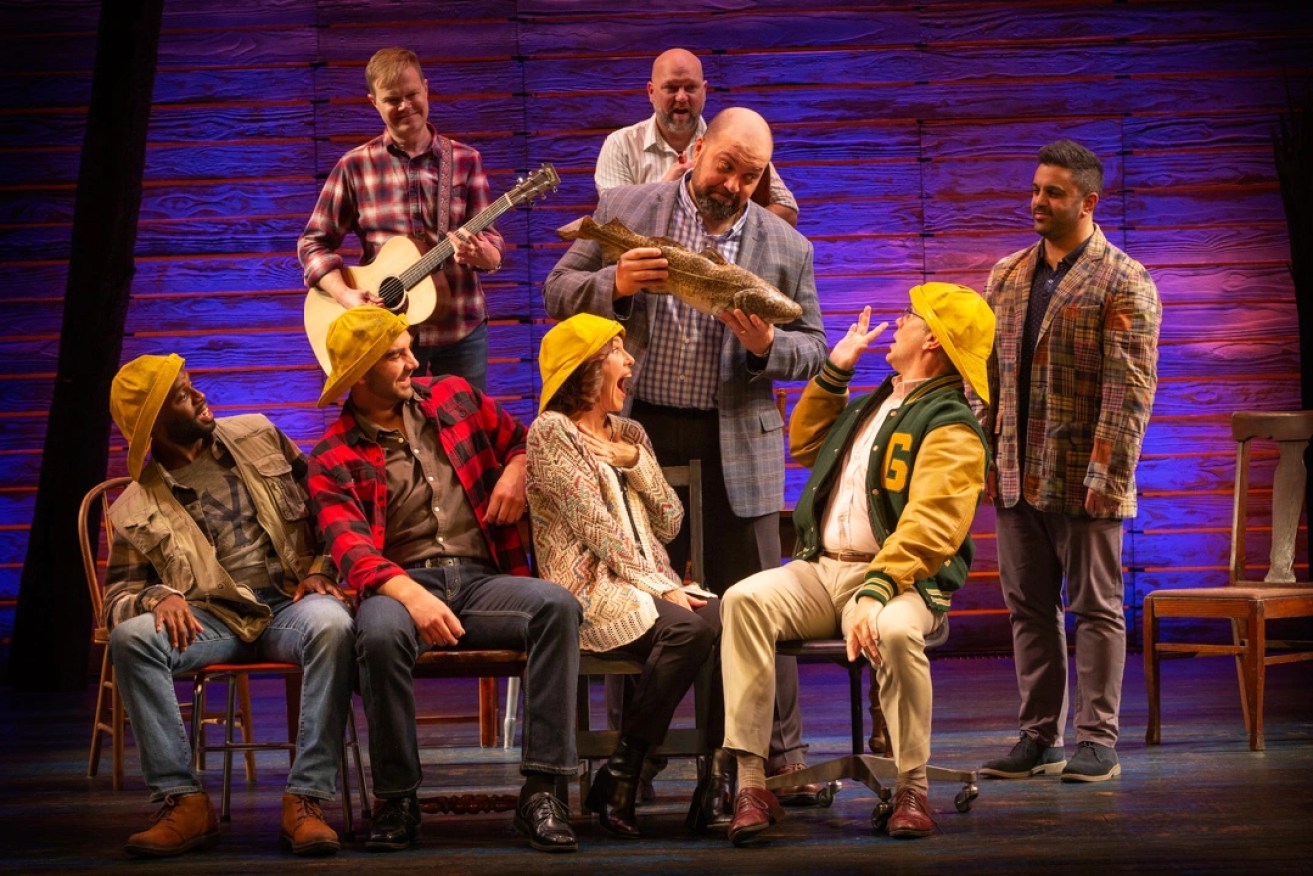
x: 869, y: 769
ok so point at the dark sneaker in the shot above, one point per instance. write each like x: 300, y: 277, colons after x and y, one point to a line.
x: 1027, y: 758
x: 1093, y: 763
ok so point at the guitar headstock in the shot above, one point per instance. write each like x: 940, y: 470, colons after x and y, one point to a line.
x: 539, y: 183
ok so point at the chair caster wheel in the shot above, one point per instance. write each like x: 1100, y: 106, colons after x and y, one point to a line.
x: 880, y: 816
x: 964, y: 797
x: 883, y: 811
x: 827, y: 794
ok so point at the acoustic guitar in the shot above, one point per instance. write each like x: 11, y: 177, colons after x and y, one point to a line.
x: 403, y: 276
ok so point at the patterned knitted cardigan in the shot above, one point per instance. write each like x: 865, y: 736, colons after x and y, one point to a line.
x: 600, y: 532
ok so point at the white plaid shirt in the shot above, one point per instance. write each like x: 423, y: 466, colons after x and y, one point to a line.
x: 638, y: 154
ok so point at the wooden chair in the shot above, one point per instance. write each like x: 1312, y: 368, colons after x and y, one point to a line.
x: 237, y: 677
x: 689, y: 476
x: 110, y: 719
x: 1247, y: 602
x: 594, y: 745
x: 487, y: 666
x: 591, y: 744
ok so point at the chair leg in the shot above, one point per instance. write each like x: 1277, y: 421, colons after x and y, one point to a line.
x: 344, y: 769
x: 198, y: 723
x: 488, y: 712
x: 225, y: 810
x: 360, y: 765
x: 1238, y: 633
x: 583, y: 717
x: 292, y: 692
x: 242, y: 683
x: 1256, y: 655
x: 512, y: 707
x: 100, y: 718
x: 118, y: 720
x: 1153, y: 732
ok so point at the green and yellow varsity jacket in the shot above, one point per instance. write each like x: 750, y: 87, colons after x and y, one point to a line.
x: 925, y: 480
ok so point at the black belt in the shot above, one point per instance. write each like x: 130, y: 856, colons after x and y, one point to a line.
x: 434, y: 562
x: 848, y: 556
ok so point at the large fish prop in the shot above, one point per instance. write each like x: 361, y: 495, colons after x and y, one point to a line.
x: 703, y: 281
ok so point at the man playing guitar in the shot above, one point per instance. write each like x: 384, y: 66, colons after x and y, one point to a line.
x: 410, y: 182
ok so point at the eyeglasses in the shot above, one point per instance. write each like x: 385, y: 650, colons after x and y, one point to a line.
x: 908, y: 311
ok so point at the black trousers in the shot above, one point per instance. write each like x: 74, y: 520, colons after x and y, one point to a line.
x: 673, y: 651
x: 743, y: 546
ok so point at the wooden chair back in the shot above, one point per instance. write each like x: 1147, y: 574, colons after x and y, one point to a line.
x: 1291, y: 431
x: 109, y: 718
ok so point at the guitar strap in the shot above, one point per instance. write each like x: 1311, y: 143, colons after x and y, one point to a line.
x: 444, y: 185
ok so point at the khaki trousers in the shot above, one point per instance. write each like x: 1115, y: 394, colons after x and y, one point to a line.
x: 814, y: 600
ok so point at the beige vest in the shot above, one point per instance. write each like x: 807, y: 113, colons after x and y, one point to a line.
x: 155, y: 522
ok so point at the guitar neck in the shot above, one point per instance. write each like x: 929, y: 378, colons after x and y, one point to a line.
x: 444, y: 250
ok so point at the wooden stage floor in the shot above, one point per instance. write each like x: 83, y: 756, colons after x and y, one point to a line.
x: 1200, y: 803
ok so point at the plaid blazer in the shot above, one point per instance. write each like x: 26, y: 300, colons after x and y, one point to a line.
x: 1093, y: 378
x: 751, y: 428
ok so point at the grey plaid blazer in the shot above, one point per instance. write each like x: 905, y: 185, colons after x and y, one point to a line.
x: 751, y: 429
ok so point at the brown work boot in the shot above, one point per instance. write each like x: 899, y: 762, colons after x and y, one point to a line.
x: 911, y: 817
x: 184, y: 822
x: 304, y: 828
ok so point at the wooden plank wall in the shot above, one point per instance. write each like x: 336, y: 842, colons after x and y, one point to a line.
x: 907, y: 130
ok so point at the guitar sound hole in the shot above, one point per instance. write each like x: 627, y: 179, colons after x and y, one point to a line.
x: 393, y: 294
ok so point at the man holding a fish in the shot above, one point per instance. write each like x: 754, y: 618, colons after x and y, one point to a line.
x: 706, y: 358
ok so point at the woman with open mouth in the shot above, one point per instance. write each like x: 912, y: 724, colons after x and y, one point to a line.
x: 602, y: 512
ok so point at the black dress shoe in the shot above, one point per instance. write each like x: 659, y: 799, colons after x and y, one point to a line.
x: 395, y: 825
x: 544, y: 820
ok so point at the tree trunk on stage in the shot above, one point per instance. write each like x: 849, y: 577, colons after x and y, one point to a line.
x: 52, y: 627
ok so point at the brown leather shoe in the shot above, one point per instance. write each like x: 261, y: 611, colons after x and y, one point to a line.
x: 798, y: 795
x: 911, y: 818
x: 755, y: 809
x: 183, y: 823
x: 304, y: 828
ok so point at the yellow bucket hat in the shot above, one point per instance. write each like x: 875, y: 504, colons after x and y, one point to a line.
x: 135, y: 398
x: 356, y: 340
x: 963, y: 323
x: 569, y: 344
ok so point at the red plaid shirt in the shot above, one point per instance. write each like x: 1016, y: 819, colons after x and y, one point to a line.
x: 348, y: 482
x: 379, y: 192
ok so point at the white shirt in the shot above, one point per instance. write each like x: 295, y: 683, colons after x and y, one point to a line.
x: 846, y: 525
x: 639, y: 154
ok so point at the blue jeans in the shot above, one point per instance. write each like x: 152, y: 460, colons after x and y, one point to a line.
x: 466, y: 358
x: 497, y: 611
x: 315, y: 633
